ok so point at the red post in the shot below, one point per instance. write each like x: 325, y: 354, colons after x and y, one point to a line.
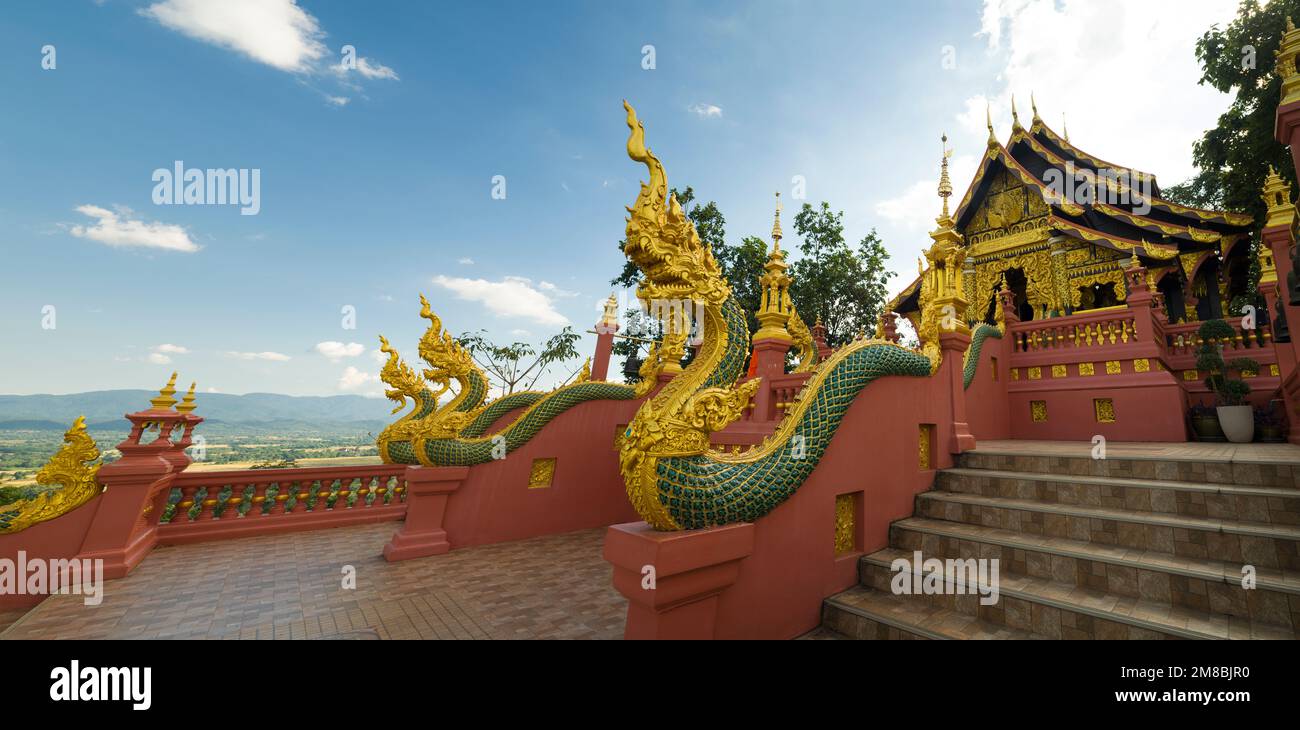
x: 605, y: 330
x: 953, y: 345
x: 427, y: 491
x: 674, y: 580
x: 136, y: 486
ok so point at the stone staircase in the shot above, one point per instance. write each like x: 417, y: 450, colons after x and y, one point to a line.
x: 1121, y: 548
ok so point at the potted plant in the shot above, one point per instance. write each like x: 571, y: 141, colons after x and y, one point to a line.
x: 1268, y: 423
x: 1205, y: 423
x: 1236, y: 417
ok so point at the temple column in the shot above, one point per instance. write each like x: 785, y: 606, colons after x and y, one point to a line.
x: 1281, y: 214
x: 1060, y: 277
x: 605, y: 330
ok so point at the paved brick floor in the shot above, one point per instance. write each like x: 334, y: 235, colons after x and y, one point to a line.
x: 289, y: 587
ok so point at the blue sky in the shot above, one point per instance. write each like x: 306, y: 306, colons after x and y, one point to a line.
x: 376, y: 182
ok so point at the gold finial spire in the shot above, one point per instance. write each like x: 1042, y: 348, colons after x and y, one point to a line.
x: 988, y: 121
x: 1034, y: 106
x: 1133, y: 261
x: 1064, y: 130
x: 776, y: 225
x: 1277, y: 200
x: 1015, y: 118
x: 1289, y: 25
x: 610, y: 316
x: 164, y: 399
x: 945, y: 184
x: 187, y: 403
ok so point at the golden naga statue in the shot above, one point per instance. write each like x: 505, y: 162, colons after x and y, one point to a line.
x: 75, y: 467
x: 674, y: 478
x: 447, y: 361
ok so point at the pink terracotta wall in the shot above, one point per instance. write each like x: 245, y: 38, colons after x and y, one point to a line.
x: 788, y: 563
x: 54, y: 540
x: 495, y: 503
x: 986, y: 398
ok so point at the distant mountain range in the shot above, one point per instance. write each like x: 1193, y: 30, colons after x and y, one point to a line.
x: 105, y: 408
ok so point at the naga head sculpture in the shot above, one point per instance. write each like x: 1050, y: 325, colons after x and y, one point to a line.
x: 446, y: 358
x: 662, y: 241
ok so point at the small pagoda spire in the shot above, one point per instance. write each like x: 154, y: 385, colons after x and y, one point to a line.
x: 776, y: 224
x: 945, y: 184
x: 774, y: 306
x: 610, y: 316
x: 187, y: 403
x: 164, y: 400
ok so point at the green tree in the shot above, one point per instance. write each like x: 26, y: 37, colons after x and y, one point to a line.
x: 1233, y: 157
x: 519, y: 363
x: 844, y: 287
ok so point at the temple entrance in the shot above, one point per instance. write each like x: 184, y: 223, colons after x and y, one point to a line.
x: 1171, y: 287
x: 1097, y: 296
x: 1205, y: 290
x: 1017, y: 283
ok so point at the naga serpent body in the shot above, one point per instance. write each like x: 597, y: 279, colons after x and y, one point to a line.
x: 673, y: 477
x: 454, y: 435
x: 972, y: 359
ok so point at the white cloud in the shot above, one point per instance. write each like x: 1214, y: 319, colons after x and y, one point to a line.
x: 354, y: 379
x: 465, y: 260
x: 171, y: 349
x: 367, y: 68
x: 337, y: 100
x: 1075, y: 55
x: 916, y: 207
x: 554, y: 290
x: 513, y: 296
x: 271, y: 356
x: 157, y: 358
x: 335, y: 351
x: 705, y: 110
x: 379, y: 356
x: 112, y: 229
x: 277, y: 33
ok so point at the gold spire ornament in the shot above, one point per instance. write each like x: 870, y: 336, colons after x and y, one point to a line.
x: 164, y: 400
x: 1015, y: 118
x: 187, y: 403
x: 945, y: 183
x: 1034, y: 106
x: 1277, y: 200
x: 775, y: 307
x: 988, y: 121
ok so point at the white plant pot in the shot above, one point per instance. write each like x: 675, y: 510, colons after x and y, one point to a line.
x: 1238, y: 423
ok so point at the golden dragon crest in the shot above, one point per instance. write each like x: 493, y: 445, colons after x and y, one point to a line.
x: 75, y: 467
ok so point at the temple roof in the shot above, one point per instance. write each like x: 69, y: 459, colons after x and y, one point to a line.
x: 1116, y: 216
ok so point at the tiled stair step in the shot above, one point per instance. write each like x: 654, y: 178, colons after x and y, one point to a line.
x: 1261, y: 473
x: 1279, y: 505
x: 1063, y: 610
x: 1201, y: 584
x: 1259, y: 544
x: 861, y: 613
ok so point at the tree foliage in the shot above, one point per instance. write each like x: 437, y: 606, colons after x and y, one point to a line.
x: 519, y: 363
x: 1233, y: 157
x: 846, y: 288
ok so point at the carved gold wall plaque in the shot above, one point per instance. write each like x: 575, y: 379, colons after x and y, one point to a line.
x: 1112, y: 367
x: 1104, y: 408
x: 1085, y: 368
x: 1141, y: 365
x: 845, y: 527
x: 1035, y: 373
x: 1058, y: 371
x: 925, y: 446
x: 1038, y: 410
x: 542, y: 474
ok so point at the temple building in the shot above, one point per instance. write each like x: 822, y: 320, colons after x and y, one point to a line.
x: 1058, y: 226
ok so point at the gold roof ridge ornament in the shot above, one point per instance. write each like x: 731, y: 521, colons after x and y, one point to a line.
x: 164, y: 400
x: 1034, y: 106
x: 988, y: 121
x: 1015, y: 118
